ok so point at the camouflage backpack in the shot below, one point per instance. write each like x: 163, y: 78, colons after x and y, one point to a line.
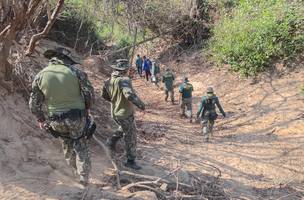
x: 210, y: 111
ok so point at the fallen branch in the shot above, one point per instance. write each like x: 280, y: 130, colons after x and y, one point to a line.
x: 2, y: 34
x: 127, y: 187
x: 85, y: 193
x: 156, y: 180
x: 159, y: 193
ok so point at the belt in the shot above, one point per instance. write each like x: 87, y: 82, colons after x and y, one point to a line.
x: 73, y: 114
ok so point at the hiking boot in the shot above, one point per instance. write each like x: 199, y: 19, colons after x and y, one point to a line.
x: 132, y: 164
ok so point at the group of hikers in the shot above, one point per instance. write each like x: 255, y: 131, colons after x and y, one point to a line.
x: 67, y: 94
x: 149, y: 69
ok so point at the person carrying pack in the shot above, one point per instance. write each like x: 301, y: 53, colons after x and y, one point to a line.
x: 185, y: 99
x: 155, y: 72
x: 119, y: 92
x: 168, y: 79
x: 207, y: 112
x: 68, y: 95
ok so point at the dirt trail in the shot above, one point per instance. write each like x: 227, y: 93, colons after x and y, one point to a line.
x: 259, y: 148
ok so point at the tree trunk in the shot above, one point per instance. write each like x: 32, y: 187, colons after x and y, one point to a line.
x: 134, y: 46
x: 5, y: 66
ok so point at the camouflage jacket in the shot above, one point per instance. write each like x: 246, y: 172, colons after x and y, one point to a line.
x: 119, y: 91
x: 37, y: 97
x: 208, y: 105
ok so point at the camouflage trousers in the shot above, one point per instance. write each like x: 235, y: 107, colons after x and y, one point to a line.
x: 127, y: 130
x: 207, y: 128
x: 186, y: 107
x: 76, y: 151
x: 171, y: 93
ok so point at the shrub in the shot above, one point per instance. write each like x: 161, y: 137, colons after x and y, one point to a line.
x: 258, y: 32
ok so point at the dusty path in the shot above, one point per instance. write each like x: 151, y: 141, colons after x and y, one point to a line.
x: 259, y: 148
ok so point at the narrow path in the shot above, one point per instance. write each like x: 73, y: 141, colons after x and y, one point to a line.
x: 259, y: 148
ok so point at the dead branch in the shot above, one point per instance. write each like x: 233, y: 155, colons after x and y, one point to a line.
x: 85, y: 193
x: 158, y: 192
x: 46, y: 29
x: 127, y: 187
x: 78, y: 31
x: 157, y: 180
x: 131, y: 46
x: 112, y: 161
x: 2, y: 34
x: 48, y: 9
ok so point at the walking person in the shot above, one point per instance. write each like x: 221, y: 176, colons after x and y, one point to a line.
x: 155, y: 72
x: 207, y: 112
x: 168, y: 79
x: 119, y: 91
x: 139, y: 63
x: 185, y: 98
x: 147, y: 68
x: 67, y: 94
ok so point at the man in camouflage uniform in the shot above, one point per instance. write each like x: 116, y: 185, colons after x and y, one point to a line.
x: 67, y: 95
x: 168, y: 79
x: 185, y: 90
x: 207, y: 112
x: 119, y: 91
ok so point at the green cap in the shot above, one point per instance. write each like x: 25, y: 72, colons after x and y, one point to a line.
x: 121, y: 65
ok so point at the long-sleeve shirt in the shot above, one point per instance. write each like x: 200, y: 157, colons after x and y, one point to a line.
x: 119, y: 91
x: 146, y: 65
x: 209, y: 107
x: 139, y: 62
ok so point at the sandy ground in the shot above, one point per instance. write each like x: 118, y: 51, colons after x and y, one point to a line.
x: 258, y: 148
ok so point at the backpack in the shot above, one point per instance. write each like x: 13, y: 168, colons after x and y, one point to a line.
x: 210, y: 111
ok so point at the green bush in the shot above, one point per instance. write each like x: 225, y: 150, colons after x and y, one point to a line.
x: 258, y: 32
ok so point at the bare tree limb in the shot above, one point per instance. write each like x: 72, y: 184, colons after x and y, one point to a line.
x: 2, y: 34
x: 78, y: 31
x: 46, y: 29
x: 48, y: 9
x: 131, y: 46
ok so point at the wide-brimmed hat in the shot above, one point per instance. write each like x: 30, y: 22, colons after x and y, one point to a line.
x: 121, y: 65
x: 61, y: 53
